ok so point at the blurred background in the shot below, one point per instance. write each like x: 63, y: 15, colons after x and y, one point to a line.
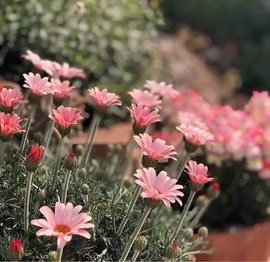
x: 221, y: 49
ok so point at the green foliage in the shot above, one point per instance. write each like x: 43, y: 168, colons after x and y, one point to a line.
x: 111, y: 40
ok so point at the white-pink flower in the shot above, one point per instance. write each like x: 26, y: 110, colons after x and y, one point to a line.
x: 161, y: 89
x: 103, y: 98
x: 158, y: 187
x: 39, y: 86
x: 155, y: 150
x: 64, y: 223
x: 10, y: 98
x: 145, y: 98
x: 198, y: 174
x: 143, y: 117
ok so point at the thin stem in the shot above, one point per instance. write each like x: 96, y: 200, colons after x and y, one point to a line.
x: 182, y: 217
x: 129, y: 210
x: 59, y: 254
x: 135, y: 255
x: 48, y: 136
x: 57, y: 165
x: 2, y: 151
x: 27, y: 200
x: 198, y: 252
x: 182, y: 165
x: 136, y: 232
x: 198, y: 216
x: 65, y: 189
x: 93, y: 130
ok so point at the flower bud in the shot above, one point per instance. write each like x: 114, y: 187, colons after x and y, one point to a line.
x: 41, y: 195
x: 188, y: 233
x: 70, y: 161
x: 201, y: 201
x: 203, y: 232
x: 85, y: 189
x: 173, y: 251
x: 140, y: 243
x: 189, y: 258
x: 9, y: 169
x: 79, y: 150
x: 15, y: 250
x: 52, y: 256
x: 38, y: 137
x: 213, y: 190
x: 95, y: 163
x: 82, y: 173
x: 34, y: 158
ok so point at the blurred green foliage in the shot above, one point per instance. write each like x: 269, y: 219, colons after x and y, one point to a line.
x: 243, y: 23
x: 111, y: 40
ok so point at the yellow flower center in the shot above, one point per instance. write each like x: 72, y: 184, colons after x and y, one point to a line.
x: 62, y: 229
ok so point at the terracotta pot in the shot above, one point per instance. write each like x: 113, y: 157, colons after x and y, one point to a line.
x: 252, y: 244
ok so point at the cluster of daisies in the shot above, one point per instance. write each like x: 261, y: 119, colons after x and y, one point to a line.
x: 154, y: 184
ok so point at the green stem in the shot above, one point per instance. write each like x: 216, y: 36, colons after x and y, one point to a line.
x: 27, y: 200
x: 58, y: 156
x: 65, y: 189
x: 182, y: 217
x: 182, y: 165
x: 59, y: 254
x: 90, y: 143
x: 2, y: 151
x: 48, y: 136
x: 135, y: 255
x: 129, y: 210
x: 136, y: 232
x: 198, y: 216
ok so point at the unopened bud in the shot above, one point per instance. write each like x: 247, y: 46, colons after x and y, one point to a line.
x: 52, y: 256
x: 201, y: 201
x: 95, y: 163
x: 9, y: 169
x: 70, y: 161
x: 213, y: 190
x: 188, y: 233
x: 85, y: 189
x: 34, y: 158
x: 79, y: 150
x: 203, y: 232
x: 41, y: 195
x: 173, y: 251
x: 82, y: 173
x: 38, y: 137
x: 15, y: 250
x: 140, y: 243
x: 189, y: 258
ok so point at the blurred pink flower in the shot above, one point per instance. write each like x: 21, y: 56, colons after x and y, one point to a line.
x: 145, y: 98
x: 143, y: 117
x: 64, y: 223
x: 39, y: 86
x: 156, y: 150
x: 10, y: 98
x: 68, y: 72
x: 195, y: 135
x: 198, y: 174
x: 61, y: 89
x: 65, y: 117
x: 161, y: 89
x: 103, y: 98
x: 158, y: 187
x: 9, y: 125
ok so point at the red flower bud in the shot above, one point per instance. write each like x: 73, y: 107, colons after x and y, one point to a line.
x: 34, y: 157
x: 71, y: 161
x: 15, y: 250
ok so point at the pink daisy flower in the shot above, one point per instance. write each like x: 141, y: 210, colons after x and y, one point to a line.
x: 198, y: 174
x: 68, y: 72
x: 161, y: 89
x: 158, y: 187
x: 103, y: 98
x: 65, y: 223
x: 194, y: 137
x: 154, y: 150
x: 39, y: 86
x: 143, y: 117
x: 9, y: 126
x: 145, y: 98
x: 10, y: 98
x: 65, y: 117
